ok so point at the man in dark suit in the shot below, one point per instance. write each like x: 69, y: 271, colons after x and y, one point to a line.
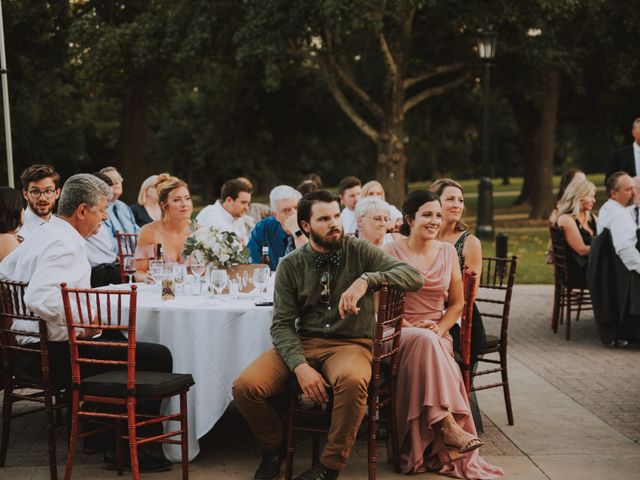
x: 627, y: 158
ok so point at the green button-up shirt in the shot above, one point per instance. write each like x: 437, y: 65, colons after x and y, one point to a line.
x: 298, y: 311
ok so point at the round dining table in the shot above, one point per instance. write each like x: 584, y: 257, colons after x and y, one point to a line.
x: 213, y: 339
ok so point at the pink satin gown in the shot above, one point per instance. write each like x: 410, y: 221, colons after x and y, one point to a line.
x: 430, y: 384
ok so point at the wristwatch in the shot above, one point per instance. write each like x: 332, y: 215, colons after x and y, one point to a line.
x: 365, y: 277
x: 298, y: 233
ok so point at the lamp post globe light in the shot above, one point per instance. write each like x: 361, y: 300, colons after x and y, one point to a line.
x: 486, y: 51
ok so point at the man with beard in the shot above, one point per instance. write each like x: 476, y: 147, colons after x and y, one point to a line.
x: 41, y: 190
x: 322, y: 325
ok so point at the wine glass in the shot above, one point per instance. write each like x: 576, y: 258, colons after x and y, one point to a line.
x: 218, y: 280
x: 179, y: 275
x: 129, y: 266
x: 261, y: 279
x: 198, y: 267
x: 156, y: 270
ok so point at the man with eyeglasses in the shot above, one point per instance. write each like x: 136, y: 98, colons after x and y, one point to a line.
x: 41, y: 190
x: 322, y: 326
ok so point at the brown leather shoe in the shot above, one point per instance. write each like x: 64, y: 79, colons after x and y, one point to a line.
x: 318, y: 472
x: 269, y: 467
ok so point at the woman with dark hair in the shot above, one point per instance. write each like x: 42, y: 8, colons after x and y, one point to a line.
x: 11, y: 219
x: 435, y: 427
x: 455, y: 231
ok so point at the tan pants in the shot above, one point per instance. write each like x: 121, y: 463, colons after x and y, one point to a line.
x: 345, y: 363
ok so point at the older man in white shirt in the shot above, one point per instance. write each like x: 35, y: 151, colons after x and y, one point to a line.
x: 616, y: 216
x: 41, y: 190
x: 228, y: 212
x: 58, y: 253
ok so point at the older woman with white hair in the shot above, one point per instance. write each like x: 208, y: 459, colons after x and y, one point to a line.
x: 148, y: 208
x: 372, y: 216
x: 279, y: 232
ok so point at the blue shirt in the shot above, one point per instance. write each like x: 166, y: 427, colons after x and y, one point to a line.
x: 120, y: 219
x: 269, y: 233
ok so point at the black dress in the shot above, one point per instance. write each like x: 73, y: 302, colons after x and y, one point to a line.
x: 577, y: 264
x: 478, y: 335
x: 140, y: 214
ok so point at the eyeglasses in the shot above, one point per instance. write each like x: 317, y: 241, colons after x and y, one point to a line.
x: 379, y: 219
x: 325, y: 294
x: 48, y: 193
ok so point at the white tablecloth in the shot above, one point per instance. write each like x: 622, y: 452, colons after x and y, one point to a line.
x: 213, y: 340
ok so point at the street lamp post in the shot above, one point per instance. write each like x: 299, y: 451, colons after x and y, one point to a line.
x: 484, y: 229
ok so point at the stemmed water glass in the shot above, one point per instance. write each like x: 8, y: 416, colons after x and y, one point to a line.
x: 179, y: 275
x: 129, y: 266
x: 218, y: 280
x: 261, y: 279
x: 156, y: 270
x: 198, y: 267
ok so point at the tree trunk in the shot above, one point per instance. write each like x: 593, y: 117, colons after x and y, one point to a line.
x: 527, y: 117
x: 392, y: 163
x: 134, y: 139
x: 542, y: 194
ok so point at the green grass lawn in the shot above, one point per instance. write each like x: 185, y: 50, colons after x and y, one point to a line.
x: 529, y: 245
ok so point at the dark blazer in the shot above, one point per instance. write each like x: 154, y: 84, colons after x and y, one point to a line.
x: 614, y: 292
x: 622, y: 160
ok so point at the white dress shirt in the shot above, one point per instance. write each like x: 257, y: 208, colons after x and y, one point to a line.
x: 618, y: 219
x: 349, y: 223
x: 100, y: 247
x: 58, y: 254
x: 217, y: 217
x: 636, y: 157
x: 31, y: 223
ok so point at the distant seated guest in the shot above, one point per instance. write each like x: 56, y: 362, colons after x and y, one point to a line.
x: 307, y: 186
x: 11, y: 219
x: 41, y: 190
x: 617, y: 218
x: 171, y: 231
x: 102, y: 251
x: 626, y: 158
x: 315, y: 178
x: 372, y: 215
x: 226, y: 214
x: 147, y: 209
x: 349, y: 190
x: 566, y: 178
x: 257, y: 211
x: 574, y: 215
x: 374, y: 189
x: 120, y: 217
x: 279, y: 232
x: 635, y: 208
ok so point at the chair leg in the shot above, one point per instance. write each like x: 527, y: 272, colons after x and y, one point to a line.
x: 119, y: 446
x: 6, y: 419
x: 505, y: 386
x: 556, y: 308
x: 51, y: 436
x: 315, y: 448
x: 568, y: 309
x: 580, y: 300
x: 184, y: 436
x: 73, y: 436
x: 288, y: 471
x: 395, y: 449
x: 373, y: 454
x: 133, y: 439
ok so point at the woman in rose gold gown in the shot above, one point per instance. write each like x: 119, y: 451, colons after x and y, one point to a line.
x: 435, y: 428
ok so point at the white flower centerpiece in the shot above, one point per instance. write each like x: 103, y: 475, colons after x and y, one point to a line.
x: 215, y: 247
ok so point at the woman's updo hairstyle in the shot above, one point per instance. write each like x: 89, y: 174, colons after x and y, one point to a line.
x: 412, y: 204
x: 165, y: 184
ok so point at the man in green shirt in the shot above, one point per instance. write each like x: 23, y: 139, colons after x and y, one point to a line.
x: 323, y: 321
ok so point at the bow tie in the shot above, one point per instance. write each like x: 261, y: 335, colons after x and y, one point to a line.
x: 321, y: 259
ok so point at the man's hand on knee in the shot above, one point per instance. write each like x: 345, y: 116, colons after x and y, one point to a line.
x: 313, y: 384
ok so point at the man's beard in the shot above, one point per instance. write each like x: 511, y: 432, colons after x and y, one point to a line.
x: 41, y: 211
x: 329, y: 244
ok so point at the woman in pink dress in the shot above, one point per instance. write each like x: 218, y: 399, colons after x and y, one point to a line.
x: 435, y: 428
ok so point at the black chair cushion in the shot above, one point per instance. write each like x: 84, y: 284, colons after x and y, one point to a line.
x: 148, y: 384
x: 491, y: 342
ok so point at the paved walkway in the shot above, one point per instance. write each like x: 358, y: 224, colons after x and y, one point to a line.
x: 576, y: 405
